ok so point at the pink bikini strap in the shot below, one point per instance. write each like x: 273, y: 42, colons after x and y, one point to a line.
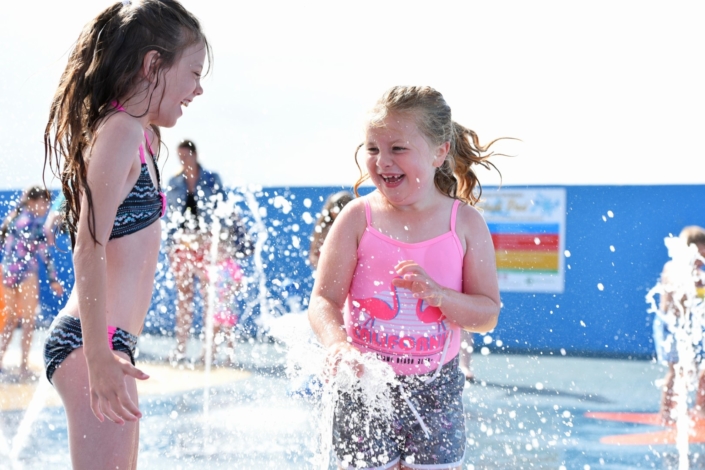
x: 453, y: 214
x: 368, y: 212
x: 149, y: 144
x: 117, y: 106
x: 142, y: 154
x: 111, y: 333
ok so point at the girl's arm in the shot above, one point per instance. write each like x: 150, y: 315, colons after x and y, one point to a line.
x: 477, y: 307
x: 335, y: 271
x: 113, y: 155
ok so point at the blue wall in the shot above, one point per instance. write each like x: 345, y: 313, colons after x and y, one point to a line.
x: 615, y: 319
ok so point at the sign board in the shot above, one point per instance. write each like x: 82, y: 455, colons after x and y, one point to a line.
x: 528, y: 231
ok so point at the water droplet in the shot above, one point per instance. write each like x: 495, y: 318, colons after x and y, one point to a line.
x: 600, y: 286
x: 567, y: 253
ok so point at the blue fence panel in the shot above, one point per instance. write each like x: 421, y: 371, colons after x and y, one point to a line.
x: 624, y: 253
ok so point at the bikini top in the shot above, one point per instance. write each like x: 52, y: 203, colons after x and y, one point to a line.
x: 145, y: 203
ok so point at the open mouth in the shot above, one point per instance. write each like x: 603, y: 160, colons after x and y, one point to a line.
x: 184, y: 104
x: 392, y: 179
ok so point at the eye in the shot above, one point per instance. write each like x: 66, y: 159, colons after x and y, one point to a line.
x: 398, y: 149
x: 372, y: 150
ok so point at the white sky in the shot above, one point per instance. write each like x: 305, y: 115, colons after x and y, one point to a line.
x: 600, y: 92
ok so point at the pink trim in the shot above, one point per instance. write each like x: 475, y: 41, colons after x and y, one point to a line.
x: 117, y: 105
x: 111, y: 333
x: 163, y: 196
x: 149, y: 144
x: 368, y: 213
x: 142, y: 155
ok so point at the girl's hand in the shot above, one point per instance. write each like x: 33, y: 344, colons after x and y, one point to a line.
x: 339, y: 352
x: 108, y: 391
x: 56, y: 287
x: 415, y: 279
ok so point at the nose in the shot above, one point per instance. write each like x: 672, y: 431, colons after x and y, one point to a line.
x: 384, y: 159
x: 199, y: 90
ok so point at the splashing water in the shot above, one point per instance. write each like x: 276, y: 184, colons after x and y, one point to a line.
x: 686, y: 319
x: 305, y: 357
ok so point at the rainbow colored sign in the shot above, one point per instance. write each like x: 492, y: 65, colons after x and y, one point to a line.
x: 528, y: 231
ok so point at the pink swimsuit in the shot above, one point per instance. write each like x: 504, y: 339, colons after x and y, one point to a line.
x: 411, y: 336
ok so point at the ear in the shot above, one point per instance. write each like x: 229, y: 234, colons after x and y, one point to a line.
x: 149, y: 66
x: 441, y: 154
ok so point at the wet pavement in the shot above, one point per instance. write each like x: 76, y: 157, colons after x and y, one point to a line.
x: 523, y: 412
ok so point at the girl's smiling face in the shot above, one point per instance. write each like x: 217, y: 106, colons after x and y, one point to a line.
x: 400, y: 160
x: 180, y: 84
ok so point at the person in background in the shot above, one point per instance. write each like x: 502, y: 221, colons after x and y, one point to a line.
x: 663, y: 329
x: 55, y: 219
x: 234, y: 245
x: 23, y: 244
x: 192, y: 196
x: 332, y: 207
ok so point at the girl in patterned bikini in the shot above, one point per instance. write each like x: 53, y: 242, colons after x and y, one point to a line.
x: 23, y: 241
x: 405, y: 268
x: 132, y: 69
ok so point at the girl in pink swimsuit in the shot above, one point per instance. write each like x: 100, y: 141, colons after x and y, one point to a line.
x: 131, y: 71
x: 405, y: 269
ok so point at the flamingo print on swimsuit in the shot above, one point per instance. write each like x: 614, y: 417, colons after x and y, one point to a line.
x: 379, y: 309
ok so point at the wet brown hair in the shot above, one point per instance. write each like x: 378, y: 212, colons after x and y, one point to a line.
x: 105, y: 66
x: 432, y: 114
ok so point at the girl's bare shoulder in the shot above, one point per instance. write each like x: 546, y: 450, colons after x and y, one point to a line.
x: 118, y: 133
x: 352, y: 216
x: 470, y: 221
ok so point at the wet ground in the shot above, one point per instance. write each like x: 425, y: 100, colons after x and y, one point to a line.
x: 524, y: 412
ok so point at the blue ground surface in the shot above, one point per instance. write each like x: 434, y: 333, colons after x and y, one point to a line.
x: 524, y: 412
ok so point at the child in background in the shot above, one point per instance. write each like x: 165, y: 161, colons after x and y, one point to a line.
x: 133, y: 69
x: 23, y: 242
x: 663, y: 334
x: 404, y: 269
x: 234, y: 245
x: 3, y: 314
x: 332, y: 207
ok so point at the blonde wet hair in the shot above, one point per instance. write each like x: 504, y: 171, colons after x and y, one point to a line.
x: 455, y: 178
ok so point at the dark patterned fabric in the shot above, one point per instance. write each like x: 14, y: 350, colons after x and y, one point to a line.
x: 361, y: 439
x: 141, y: 207
x: 65, y: 336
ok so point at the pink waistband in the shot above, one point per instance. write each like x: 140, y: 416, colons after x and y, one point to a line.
x: 111, y: 333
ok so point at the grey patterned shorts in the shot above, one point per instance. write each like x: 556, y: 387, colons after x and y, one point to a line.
x: 363, y: 440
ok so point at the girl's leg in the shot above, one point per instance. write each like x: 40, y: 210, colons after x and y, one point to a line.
x: 183, y: 276
x: 28, y: 300
x: 700, y: 394
x: 667, y: 394
x: 11, y: 319
x: 93, y: 444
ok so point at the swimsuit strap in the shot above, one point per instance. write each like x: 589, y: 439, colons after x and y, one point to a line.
x: 368, y: 212
x: 453, y: 214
